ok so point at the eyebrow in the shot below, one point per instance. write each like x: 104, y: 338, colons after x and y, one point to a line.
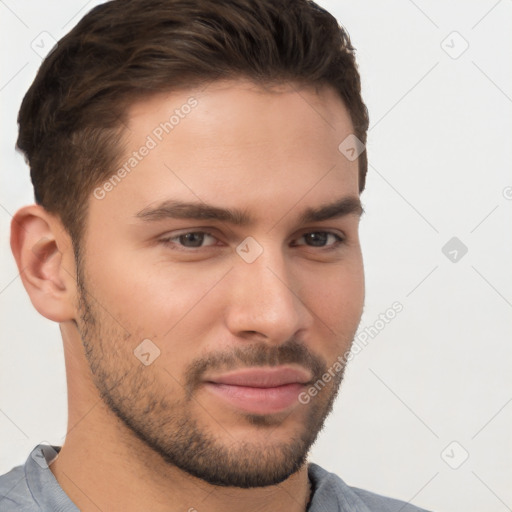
x: 174, y: 209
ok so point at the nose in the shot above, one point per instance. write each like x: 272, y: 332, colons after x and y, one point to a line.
x: 264, y: 303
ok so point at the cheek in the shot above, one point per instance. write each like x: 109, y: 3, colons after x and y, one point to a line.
x: 336, y: 296
x: 155, y: 298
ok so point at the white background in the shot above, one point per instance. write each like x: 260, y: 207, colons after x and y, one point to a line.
x: 440, y: 152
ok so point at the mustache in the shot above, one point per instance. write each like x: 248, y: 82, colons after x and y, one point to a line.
x: 247, y: 356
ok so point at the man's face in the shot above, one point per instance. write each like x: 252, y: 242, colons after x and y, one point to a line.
x: 242, y: 325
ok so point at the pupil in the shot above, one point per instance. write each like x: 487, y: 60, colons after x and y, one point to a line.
x: 318, y: 239
x: 195, y: 239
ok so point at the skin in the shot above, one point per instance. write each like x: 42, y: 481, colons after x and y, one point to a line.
x: 272, y: 154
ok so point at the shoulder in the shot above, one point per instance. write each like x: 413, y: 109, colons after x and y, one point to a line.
x: 384, y: 503
x: 332, y: 494
x: 32, y: 487
x: 15, y: 494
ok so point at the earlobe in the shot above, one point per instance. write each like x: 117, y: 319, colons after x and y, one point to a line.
x: 45, y: 261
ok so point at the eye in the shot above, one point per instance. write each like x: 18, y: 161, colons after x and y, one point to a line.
x: 320, y: 239
x: 190, y: 240
x: 202, y: 239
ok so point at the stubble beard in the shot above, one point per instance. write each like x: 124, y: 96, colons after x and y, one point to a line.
x: 139, y: 397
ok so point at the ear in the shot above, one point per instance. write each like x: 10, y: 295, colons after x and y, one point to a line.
x: 44, y: 255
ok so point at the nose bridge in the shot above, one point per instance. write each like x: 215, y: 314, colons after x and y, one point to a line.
x: 263, y: 298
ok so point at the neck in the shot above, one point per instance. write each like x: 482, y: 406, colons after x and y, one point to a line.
x: 102, y: 466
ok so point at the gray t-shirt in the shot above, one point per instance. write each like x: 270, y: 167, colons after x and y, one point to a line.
x: 33, y: 488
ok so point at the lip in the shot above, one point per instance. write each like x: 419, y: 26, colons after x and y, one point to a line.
x: 260, y: 390
x: 263, y: 377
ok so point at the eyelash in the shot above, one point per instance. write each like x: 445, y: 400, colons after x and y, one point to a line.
x: 170, y: 241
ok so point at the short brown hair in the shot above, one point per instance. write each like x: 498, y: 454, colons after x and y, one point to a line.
x: 71, y: 119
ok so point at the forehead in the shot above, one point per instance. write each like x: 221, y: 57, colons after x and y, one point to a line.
x: 243, y: 108
x: 233, y: 143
